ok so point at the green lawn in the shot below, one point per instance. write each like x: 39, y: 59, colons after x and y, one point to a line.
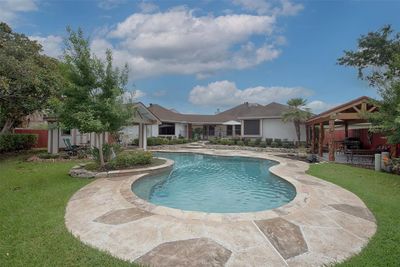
x: 381, y: 193
x: 33, y: 197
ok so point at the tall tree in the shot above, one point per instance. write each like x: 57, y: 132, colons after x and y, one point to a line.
x: 297, y: 113
x: 377, y: 59
x: 92, y: 100
x: 27, y: 78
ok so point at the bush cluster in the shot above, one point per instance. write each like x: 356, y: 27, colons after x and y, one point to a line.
x: 258, y: 142
x: 128, y: 159
x: 16, y: 142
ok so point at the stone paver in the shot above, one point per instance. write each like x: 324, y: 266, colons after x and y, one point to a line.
x: 195, y: 252
x: 122, y: 216
x: 322, y: 225
x: 285, y: 236
x: 355, y: 211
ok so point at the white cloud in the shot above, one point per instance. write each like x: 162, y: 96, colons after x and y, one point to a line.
x: 147, y: 7
x: 159, y: 93
x: 132, y: 96
x: 178, y: 42
x: 318, y: 106
x: 10, y: 8
x: 110, y: 4
x: 276, y: 7
x: 52, y: 45
x: 225, y: 93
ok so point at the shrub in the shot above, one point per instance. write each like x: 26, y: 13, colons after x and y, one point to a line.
x: 252, y: 143
x: 257, y: 141
x: 287, y: 144
x: 278, y: 142
x: 274, y: 144
x: 230, y: 142
x: 135, y: 142
x: 268, y: 141
x: 263, y: 144
x: 128, y: 159
x: 224, y: 141
x: 15, y: 142
x: 239, y: 143
x: 157, y: 141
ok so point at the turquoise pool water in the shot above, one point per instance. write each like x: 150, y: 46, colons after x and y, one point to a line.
x: 215, y: 184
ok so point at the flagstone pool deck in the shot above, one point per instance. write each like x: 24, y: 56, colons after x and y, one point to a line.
x: 323, y: 224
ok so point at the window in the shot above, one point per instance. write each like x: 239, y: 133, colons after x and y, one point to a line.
x: 251, y: 127
x: 65, y: 132
x: 229, y: 130
x: 238, y: 129
x: 211, y: 130
x: 166, y: 129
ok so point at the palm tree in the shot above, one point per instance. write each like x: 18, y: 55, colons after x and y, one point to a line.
x: 297, y: 113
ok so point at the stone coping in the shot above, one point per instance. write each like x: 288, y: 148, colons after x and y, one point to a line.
x: 327, y: 225
x: 299, y: 200
x: 123, y: 172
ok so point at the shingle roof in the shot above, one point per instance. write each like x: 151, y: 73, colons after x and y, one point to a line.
x: 245, y: 110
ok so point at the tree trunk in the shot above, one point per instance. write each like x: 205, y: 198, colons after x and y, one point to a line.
x: 297, y: 126
x: 7, y: 125
x: 100, y: 147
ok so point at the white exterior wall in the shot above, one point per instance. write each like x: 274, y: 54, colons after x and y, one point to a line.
x: 276, y: 128
x: 153, y: 131
x: 181, y: 129
x: 129, y: 133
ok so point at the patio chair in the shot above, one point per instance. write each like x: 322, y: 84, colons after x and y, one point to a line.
x: 71, y: 150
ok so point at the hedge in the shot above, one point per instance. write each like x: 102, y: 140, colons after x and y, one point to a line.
x: 128, y: 159
x: 16, y: 142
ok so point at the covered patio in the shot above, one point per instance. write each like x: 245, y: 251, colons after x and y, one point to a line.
x: 341, y: 134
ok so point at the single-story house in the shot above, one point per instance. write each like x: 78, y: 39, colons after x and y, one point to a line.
x: 248, y: 120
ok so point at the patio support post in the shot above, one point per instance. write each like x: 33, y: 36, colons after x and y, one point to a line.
x: 346, y: 129
x: 331, y: 140
x: 140, y: 135
x: 307, y: 135
x: 321, y: 139
x: 144, y: 142
x: 313, y: 138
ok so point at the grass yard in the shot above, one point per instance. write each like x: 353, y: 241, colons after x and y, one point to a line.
x: 381, y: 193
x: 33, y: 197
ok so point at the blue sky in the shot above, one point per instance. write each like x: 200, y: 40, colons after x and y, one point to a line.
x: 200, y: 56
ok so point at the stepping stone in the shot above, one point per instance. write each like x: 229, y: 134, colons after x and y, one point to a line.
x: 357, y: 211
x: 195, y: 252
x: 122, y: 216
x: 285, y: 236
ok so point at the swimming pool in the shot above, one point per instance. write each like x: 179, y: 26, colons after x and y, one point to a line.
x: 217, y: 184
